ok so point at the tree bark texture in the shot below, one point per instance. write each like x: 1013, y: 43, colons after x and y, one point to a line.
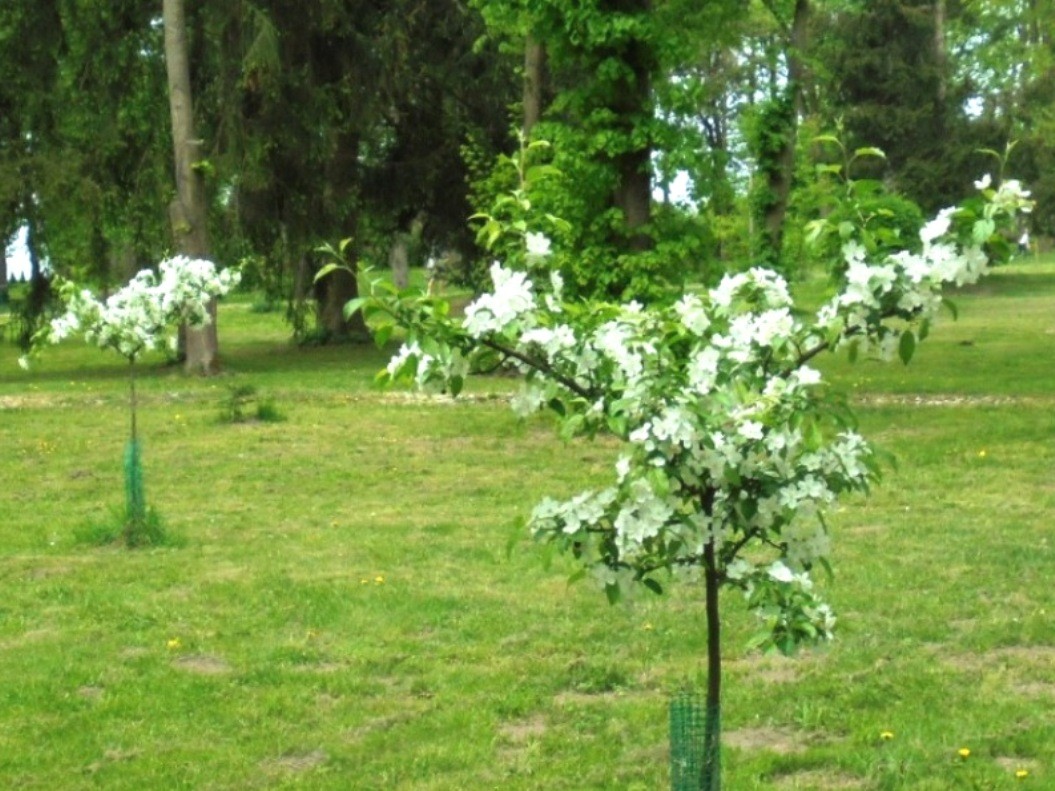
x: 534, y: 83
x: 633, y: 102
x: 188, y: 211
x: 333, y: 292
x: 781, y: 177
x: 940, y: 55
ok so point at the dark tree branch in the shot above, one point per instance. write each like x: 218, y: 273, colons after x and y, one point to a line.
x: 542, y: 367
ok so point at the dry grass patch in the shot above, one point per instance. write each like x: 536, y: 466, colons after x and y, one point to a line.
x: 765, y: 668
x: 819, y: 780
x: 295, y: 763
x: 782, y: 741
x: 202, y: 664
x: 522, y: 731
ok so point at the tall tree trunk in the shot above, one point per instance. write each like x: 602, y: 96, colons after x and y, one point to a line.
x: 39, y: 285
x: 633, y: 192
x: 534, y: 83
x: 3, y: 274
x: 940, y: 57
x: 781, y: 177
x: 342, y: 197
x: 188, y: 212
x: 337, y: 289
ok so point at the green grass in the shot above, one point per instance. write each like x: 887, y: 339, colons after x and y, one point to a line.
x: 342, y: 614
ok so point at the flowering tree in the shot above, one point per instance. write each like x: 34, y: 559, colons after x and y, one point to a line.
x: 138, y: 318
x: 733, y: 447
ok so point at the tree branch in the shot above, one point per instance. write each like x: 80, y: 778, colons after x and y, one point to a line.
x: 542, y: 367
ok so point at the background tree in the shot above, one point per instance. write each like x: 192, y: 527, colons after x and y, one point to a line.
x: 188, y: 212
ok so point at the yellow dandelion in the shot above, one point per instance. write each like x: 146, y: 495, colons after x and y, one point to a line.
x: 647, y: 627
x: 981, y: 454
x: 964, y: 752
x: 379, y: 580
x: 886, y: 735
x: 173, y: 644
x: 1021, y: 774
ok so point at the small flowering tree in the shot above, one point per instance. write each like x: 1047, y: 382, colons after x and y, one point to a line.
x: 733, y: 446
x: 138, y: 318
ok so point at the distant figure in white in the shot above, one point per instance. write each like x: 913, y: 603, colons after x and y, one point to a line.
x: 1023, y: 242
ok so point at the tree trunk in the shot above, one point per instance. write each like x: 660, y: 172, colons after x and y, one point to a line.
x: 712, y: 739
x: 3, y: 274
x: 940, y: 56
x: 399, y: 260
x: 633, y: 193
x: 188, y: 211
x: 334, y: 292
x: 781, y: 177
x: 534, y: 83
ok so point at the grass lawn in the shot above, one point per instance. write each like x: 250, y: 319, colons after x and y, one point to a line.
x: 341, y: 612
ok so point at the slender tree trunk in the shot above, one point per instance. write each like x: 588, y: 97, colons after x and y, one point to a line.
x: 399, y: 259
x: 188, y: 212
x: 534, y: 83
x: 712, y: 738
x: 3, y: 274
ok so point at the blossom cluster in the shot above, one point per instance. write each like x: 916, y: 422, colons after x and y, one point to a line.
x: 734, y: 449
x: 138, y: 316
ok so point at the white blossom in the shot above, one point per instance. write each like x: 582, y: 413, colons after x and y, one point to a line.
x: 538, y: 246
x: 728, y: 444
x: 138, y: 317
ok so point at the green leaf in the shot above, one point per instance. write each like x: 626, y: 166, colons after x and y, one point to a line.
x: 456, y: 383
x: 828, y: 139
x: 612, y: 592
x: 578, y: 576
x: 382, y: 334
x: 870, y: 151
x: 827, y: 568
x: 327, y: 270
x: 814, y: 230
x: 571, y: 426
x: 982, y: 230
x: 653, y: 585
x: 907, y: 347
x: 814, y: 436
x: 617, y: 424
x: 516, y: 535
x: 353, y: 306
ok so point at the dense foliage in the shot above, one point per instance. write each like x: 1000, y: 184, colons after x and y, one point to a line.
x: 680, y: 135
